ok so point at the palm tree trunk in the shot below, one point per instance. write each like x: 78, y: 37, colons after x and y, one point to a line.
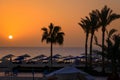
x: 91, y: 41
x: 86, y: 49
x: 51, y: 54
x: 103, y: 59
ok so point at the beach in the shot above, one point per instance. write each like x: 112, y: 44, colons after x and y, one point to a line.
x: 29, y: 76
x: 21, y: 76
x: 37, y: 78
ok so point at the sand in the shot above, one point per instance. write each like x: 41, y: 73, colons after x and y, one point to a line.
x: 20, y: 78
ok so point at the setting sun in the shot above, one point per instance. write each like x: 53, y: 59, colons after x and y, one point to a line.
x: 21, y: 20
x: 10, y: 37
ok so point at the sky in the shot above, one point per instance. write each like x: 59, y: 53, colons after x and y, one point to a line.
x: 23, y: 19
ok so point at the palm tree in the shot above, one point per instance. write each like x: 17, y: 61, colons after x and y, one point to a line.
x: 115, y: 51
x: 112, y: 47
x: 85, y: 25
x: 52, y: 35
x: 106, y: 16
x: 94, y: 22
x: 90, y: 25
x: 109, y: 36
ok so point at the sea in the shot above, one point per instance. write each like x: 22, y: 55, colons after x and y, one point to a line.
x: 35, y: 51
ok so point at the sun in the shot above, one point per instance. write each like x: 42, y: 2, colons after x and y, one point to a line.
x: 10, y: 37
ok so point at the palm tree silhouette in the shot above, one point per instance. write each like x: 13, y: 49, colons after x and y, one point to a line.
x: 106, y: 16
x: 113, y: 42
x: 109, y: 36
x: 52, y: 35
x: 94, y: 22
x: 90, y: 25
x: 112, y: 48
x: 85, y: 25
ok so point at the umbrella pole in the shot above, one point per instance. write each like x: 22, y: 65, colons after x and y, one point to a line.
x: 33, y: 73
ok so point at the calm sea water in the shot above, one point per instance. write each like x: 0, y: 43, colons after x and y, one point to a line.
x: 34, y: 51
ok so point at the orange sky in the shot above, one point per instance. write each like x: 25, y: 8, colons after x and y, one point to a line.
x: 24, y: 19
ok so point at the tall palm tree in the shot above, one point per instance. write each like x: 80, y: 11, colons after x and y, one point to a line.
x: 52, y: 35
x: 106, y: 16
x: 94, y: 22
x: 85, y: 25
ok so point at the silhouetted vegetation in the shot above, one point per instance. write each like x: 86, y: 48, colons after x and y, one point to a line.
x: 100, y: 18
x: 90, y: 25
x: 85, y: 24
x: 112, y: 49
x: 52, y: 35
x: 106, y: 16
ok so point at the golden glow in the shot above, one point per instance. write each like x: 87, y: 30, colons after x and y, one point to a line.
x: 10, y: 37
x: 25, y: 18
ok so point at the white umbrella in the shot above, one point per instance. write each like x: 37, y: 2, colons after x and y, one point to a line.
x: 70, y: 72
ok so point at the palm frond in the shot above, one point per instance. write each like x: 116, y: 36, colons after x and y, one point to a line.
x: 111, y: 32
x: 107, y: 16
x: 44, y: 36
x: 48, y: 40
x: 109, y: 43
x: 96, y: 40
x: 56, y: 29
x: 44, y: 29
x: 53, y: 35
x: 82, y: 26
x: 60, y: 38
x: 85, y: 24
x: 112, y: 17
x: 51, y: 26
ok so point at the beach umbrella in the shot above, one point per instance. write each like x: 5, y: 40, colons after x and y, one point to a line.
x: 39, y: 56
x: 68, y: 58
x: 8, y: 56
x: 19, y: 58
x: 70, y: 72
x: 57, y: 55
x: 45, y: 58
x: 25, y: 55
x: 3, y: 60
x: 80, y: 57
x: 56, y: 58
x: 76, y: 57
